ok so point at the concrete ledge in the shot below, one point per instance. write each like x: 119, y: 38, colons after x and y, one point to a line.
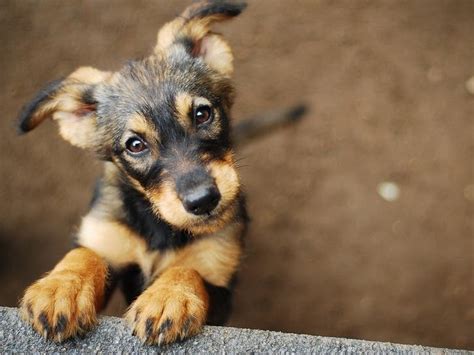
x: 112, y: 336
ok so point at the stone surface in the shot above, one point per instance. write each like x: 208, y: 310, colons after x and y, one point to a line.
x: 112, y: 336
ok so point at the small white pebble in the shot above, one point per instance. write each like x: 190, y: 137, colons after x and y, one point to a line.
x: 470, y: 85
x: 388, y: 190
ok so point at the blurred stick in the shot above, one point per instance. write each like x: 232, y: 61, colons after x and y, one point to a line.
x: 260, y: 125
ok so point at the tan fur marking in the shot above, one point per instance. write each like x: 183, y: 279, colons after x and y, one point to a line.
x: 171, y: 308
x: 206, y: 157
x: 89, y: 75
x: 116, y: 243
x: 168, y: 205
x: 215, y: 257
x: 183, y: 104
x: 77, y: 131
x: 143, y: 127
x: 226, y: 178
x: 167, y: 34
x: 201, y: 101
x: 64, y: 303
x: 217, y: 53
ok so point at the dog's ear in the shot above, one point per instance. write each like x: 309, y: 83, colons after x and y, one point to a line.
x: 70, y: 102
x: 192, y: 29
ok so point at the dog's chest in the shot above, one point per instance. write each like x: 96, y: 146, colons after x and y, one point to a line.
x: 122, y: 247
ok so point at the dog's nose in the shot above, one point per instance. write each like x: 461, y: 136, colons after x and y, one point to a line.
x: 202, y: 199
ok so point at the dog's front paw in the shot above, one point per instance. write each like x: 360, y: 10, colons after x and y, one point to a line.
x: 173, y: 308
x: 60, y: 305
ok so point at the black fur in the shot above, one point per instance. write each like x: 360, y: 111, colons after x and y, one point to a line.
x: 158, y: 234
x: 88, y: 96
x: 111, y: 283
x: 24, y: 123
x: 230, y: 9
x: 132, y: 282
x: 220, y: 302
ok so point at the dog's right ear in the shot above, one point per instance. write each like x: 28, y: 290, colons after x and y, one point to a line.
x: 71, y: 103
x: 193, y: 28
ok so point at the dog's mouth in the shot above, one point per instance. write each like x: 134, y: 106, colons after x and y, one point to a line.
x: 215, y: 214
x: 212, y: 221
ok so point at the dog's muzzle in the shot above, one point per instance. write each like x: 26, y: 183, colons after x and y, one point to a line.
x: 198, y: 192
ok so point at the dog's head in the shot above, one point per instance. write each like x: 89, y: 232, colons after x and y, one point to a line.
x: 163, y: 121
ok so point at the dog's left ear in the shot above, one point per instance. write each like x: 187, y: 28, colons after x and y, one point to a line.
x: 192, y: 29
x: 70, y: 102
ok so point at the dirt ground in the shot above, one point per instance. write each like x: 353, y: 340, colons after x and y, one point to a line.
x: 385, y: 81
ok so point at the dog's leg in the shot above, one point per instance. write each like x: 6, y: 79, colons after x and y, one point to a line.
x: 192, y: 288
x: 64, y: 303
x: 173, y: 307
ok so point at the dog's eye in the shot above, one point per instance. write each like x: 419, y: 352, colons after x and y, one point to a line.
x: 202, y: 114
x: 135, y: 145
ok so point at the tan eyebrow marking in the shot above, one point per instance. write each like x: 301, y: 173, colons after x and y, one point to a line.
x: 201, y: 101
x: 141, y: 125
x: 183, y: 104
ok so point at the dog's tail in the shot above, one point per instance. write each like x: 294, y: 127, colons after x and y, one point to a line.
x: 249, y: 129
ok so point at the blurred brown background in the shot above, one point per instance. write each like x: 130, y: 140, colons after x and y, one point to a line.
x: 326, y: 253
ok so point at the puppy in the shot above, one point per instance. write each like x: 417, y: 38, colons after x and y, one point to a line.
x: 168, y: 217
